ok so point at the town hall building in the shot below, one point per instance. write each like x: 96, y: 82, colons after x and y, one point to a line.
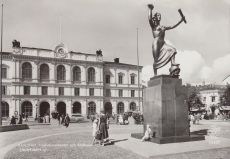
x: 39, y: 81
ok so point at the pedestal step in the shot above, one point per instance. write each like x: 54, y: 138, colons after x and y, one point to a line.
x: 172, y: 139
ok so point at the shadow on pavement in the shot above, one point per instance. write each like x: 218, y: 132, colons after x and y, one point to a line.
x: 200, y: 132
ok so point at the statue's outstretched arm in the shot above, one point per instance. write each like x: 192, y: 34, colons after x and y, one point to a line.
x: 172, y: 27
x: 150, y: 15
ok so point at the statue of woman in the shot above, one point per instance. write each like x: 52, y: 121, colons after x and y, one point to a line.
x: 162, y: 52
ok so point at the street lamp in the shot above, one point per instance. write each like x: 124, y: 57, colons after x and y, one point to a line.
x: 36, y: 106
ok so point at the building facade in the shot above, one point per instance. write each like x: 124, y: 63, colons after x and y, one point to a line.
x: 211, y: 96
x: 40, y: 81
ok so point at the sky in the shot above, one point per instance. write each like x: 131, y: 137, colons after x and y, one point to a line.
x: 202, y: 44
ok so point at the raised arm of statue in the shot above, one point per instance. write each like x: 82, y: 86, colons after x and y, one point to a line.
x: 174, y: 26
x: 150, y: 15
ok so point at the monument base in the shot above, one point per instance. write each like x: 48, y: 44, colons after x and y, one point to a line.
x: 13, y: 127
x: 171, y: 139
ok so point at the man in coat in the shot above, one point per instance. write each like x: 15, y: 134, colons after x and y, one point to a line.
x: 13, y: 121
x: 67, y: 120
x: 20, y: 119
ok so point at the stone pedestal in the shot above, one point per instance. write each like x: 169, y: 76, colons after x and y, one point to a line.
x: 166, y: 110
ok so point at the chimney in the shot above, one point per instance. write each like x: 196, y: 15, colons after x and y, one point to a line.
x: 116, y: 60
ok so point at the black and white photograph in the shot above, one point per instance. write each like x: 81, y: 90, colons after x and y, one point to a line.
x: 115, y: 79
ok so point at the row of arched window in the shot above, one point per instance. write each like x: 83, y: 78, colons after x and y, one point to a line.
x: 61, y: 72
x: 27, y: 108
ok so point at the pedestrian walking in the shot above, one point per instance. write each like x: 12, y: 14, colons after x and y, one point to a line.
x: 95, y: 130
x: 62, y: 118
x: 20, y: 119
x: 26, y: 116
x: 13, y: 121
x: 67, y: 120
x: 58, y: 118
x: 47, y: 118
x: 103, y: 127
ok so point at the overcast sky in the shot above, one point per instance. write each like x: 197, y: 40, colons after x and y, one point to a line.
x: 111, y: 25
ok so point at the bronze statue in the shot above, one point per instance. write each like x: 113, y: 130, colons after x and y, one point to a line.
x: 162, y: 52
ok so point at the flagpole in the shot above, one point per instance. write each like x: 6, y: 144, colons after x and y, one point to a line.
x: 1, y: 70
x: 138, y: 74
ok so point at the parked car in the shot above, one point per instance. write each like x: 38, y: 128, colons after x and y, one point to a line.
x: 76, y: 118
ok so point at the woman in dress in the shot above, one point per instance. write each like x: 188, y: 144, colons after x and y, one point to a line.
x: 103, y: 127
x: 162, y: 52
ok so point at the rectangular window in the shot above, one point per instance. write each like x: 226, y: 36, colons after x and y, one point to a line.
x: 213, y: 99
x: 3, y: 90
x: 91, y: 92
x: 44, y: 90
x: 120, y: 79
x: 4, y: 73
x: 26, y: 90
x: 107, y: 79
x: 76, y: 91
x: 132, y: 80
x: 120, y: 93
x: 61, y: 91
x: 132, y: 93
x: 108, y: 93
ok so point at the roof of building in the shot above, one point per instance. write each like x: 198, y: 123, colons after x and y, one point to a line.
x: 6, y: 53
x: 107, y: 62
x: 210, y: 87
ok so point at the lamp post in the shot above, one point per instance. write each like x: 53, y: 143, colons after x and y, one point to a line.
x: 36, y: 106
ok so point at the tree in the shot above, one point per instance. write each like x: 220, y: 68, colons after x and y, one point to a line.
x: 225, y: 98
x: 194, y: 100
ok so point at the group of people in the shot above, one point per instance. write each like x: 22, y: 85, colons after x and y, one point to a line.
x: 100, y: 128
x: 122, y: 119
x: 195, y: 118
x: 13, y: 120
x: 45, y: 119
x: 63, y: 120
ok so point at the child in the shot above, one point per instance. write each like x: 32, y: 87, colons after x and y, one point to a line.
x: 95, y: 128
x: 147, y: 133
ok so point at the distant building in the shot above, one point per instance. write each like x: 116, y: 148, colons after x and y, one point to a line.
x: 39, y: 81
x: 210, y: 96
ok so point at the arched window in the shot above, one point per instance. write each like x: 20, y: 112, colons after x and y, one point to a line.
x: 44, y: 71
x: 5, y: 109
x: 91, y: 75
x: 133, y: 106
x: 27, y: 70
x: 76, y: 74
x: 91, y: 108
x: 120, y: 108
x: 27, y: 108
x: 61, y: 72
x: 76, y: 107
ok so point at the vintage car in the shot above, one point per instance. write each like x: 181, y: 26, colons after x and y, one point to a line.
x: 76, y: 118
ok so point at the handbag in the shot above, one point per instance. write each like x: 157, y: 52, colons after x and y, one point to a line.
x: 98, y: 135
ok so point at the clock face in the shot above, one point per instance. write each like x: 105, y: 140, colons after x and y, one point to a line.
x: 61, y: 51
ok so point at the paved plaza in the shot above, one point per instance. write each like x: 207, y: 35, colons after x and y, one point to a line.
x: 52, y: 141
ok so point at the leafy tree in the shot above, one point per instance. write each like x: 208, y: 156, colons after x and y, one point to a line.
x: 194, y: 99
x: 225, y: 98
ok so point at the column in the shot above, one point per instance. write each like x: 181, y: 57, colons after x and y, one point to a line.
x: 35, y: 71
x: 68, y: 73
x: 52, y: 73
x: 18, y: 70
x: 84, y: 108
x: 13, y: 69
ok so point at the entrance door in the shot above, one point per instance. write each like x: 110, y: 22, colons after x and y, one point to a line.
x: 61, y: 108
x: 108, y: 108
x: 44, y: 109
